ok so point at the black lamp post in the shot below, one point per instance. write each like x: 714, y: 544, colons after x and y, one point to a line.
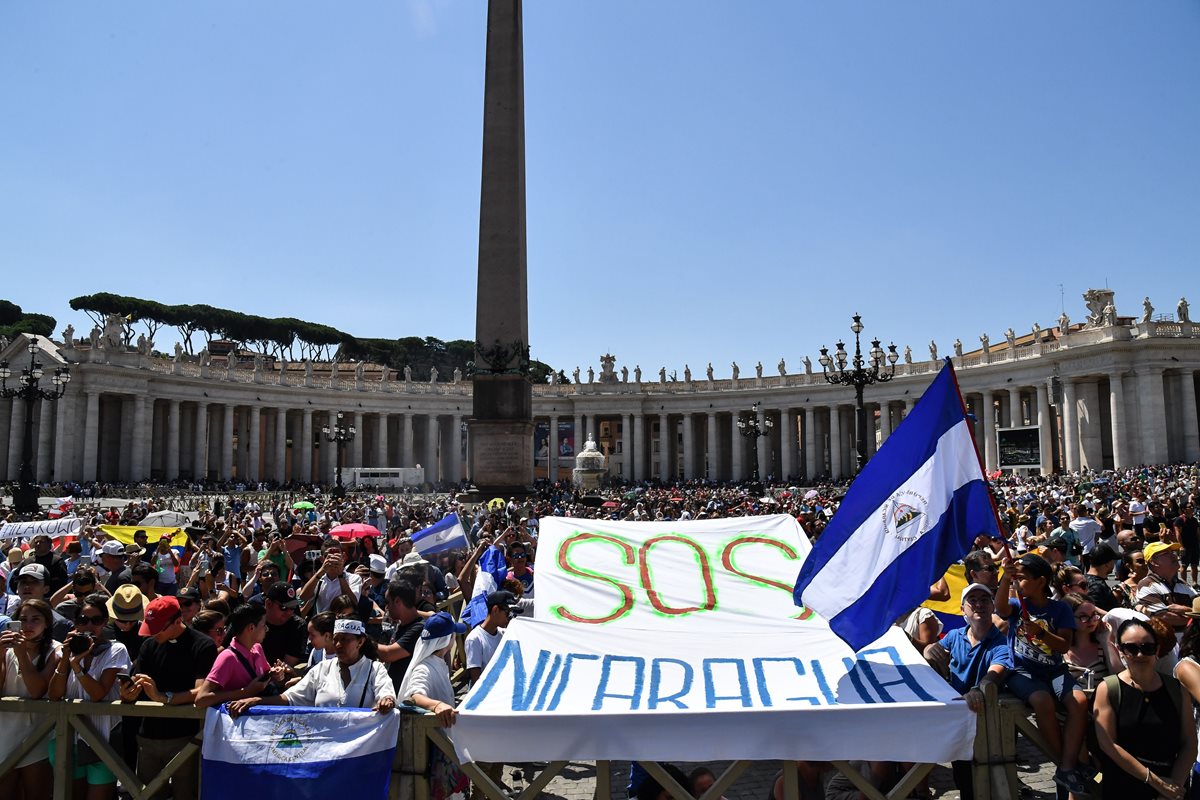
x: 750, y: 427
x: 25, y: 497
x: 338, y: 435
x: 861, y: 373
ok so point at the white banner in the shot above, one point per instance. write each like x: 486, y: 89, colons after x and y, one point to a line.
x: 55, y: 528
x: 641, y: 628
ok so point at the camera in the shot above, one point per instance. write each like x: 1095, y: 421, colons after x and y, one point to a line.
x: 313, y: 555
x: 80, y: 643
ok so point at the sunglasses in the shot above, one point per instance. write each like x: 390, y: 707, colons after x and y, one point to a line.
x: 88, y: 619
x: 1138, y: 648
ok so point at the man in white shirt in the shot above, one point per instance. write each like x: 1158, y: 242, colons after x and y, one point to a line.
x: 1137, y: 510
x: 1086, y: 530
x: 332, y: 580
x: 483, y: 640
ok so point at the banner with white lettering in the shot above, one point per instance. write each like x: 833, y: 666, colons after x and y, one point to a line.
x: 54, y: 528
x: 679, y: 641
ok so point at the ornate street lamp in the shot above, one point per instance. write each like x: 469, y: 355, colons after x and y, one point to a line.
x: 339, y: 435
x: 860, y: 373
x: 750, y: 427
x: 25, y: 498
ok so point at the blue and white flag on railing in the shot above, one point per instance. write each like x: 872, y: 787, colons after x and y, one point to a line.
x: 445, y: 534
x: 493, y: 569
x: 913, y: 511
x: 286, y: 753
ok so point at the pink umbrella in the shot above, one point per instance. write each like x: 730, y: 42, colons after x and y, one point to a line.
x: 354, y: 530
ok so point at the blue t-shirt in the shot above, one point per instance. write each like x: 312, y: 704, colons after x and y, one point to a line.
x: 233, y: 559
x: 1033, y: 655
x: 969, y: 663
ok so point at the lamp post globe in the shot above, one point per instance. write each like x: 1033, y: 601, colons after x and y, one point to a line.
x: 877, y: 367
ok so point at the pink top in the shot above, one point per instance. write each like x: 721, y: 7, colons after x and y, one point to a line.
x: 229, y: 673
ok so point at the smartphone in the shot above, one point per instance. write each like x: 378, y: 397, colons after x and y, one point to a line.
x: 14, y: 626
x: 124, y: 677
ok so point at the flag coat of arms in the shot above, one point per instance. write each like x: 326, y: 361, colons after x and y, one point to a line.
x: 286, y: 753
x: 914, y: 510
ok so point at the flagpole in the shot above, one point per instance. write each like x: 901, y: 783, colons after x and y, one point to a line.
x: 982, y: 469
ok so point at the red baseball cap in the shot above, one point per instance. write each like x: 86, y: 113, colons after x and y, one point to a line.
x: 159, y: 614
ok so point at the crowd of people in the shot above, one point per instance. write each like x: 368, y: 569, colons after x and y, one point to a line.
x: 1083, y: 609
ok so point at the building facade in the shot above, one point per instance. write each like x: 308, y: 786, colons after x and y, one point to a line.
x: 1109, y: 393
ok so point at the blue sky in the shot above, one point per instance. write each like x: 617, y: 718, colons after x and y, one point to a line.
x: 706, y: 181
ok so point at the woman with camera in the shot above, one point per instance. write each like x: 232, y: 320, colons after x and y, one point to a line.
x: 28, y: 657
x: 241, y: 669
x: 88, y: 671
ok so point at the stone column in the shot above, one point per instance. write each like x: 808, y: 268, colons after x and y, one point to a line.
x: 254, y: 442
x: 1152, y: 402
x: 835, y: 442
x: 787, y: 443
x: 712, y: 449
x: 330, y: 449
x: 456, y: 467
x: 1070, y: 425
x: 227, y: 442
x: 639, y: 446
x: 737, y: 450
x: 1016, y: 416
x: 356, y: 445
x: 810, y: 442
x: 626, y: 444
x: 91, y: 437
x: 241, y: 454
x: 909, y: 405
x: 432, y: 431
x: 5, y: 430
x: 665, y: 445
x: 689, y: 447
x: 171, y: 465
x: 381, y: 440
x: 44, y: 442
x: 1191, y: 424
x: 885, y: 421
x: 279, y: 467
x: 1116, y: 408
x: 64, y: 440
x: 763, y: 444
x: 990, y: 450
x: 406, y: 439
x: 139, y: 438
x: 580, y: 438
x: 199, y: 443
x: 552, y: 459
x: 1045, y: 440
x: 1087, y: 393
x: 302, y: 455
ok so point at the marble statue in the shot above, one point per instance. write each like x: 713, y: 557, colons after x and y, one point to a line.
x: 359, y: 369
x: 591, y: 375
x: 758, y: 370
x: 782, y: 367
x: 687, y: 374
x: 662, y: 375
x: 1147, y: 310
x: 283, y: 368
x: 1181, y: 310
x: 807, y: 365
x: 68, y: 335
x: 143, y: 344
x: 958, y: 347
x: 637, y: 374
x: 575, y: 375
x: 205, y: 357
x: 607, y: 374
x: 407, y: 374
x: 1011, y: 337
x: 231, y: 360
x: 736, y: 371
x: 433, y: 375
x: 1110, y: 315
x: 709, y: 371
x: 624, y: 374
x: 986, y: 342
x: 333, y: 373
x: 308, y: 370
x: 259, y: 362
x: 385, y: 374
x: 1037, y: 332
x: 907, y: 354
x: 178, y: 353
x: 3, y: 341
x: 457, y: 376
x: 552, y: 378
x: 114, y: 332
x: 673, y: 376
x: 94, y: 337
x: 1064, y: 322
x: 932, y: 350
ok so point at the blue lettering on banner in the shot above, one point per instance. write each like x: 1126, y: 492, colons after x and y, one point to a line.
x: 760, y: 677
x: 869, y: 669
x: 554, y: 665
x: 566, y: 675
x: 656, y: 696
x: 823, y: 684
x: 639, y: 675
x: 710, y: 691
x: 522, y: 698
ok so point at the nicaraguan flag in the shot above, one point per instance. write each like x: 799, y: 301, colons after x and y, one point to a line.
x: 493, y: 569
x: 915, y: 509
x: 287, y: 753
x: 445, y: 534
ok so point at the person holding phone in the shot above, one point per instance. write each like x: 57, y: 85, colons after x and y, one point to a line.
x: 88, y: 671
x: 241, y: 669
x: 28, y: 656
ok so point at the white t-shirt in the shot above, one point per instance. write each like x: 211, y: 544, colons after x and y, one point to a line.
x: 481, y: 645
x: 1137, y: 510
x: 113, y: 656
x: 322, y: 687
x: 330, y: 590
x: 431, y: 678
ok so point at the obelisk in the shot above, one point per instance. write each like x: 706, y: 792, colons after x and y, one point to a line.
x: 501, y: 428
